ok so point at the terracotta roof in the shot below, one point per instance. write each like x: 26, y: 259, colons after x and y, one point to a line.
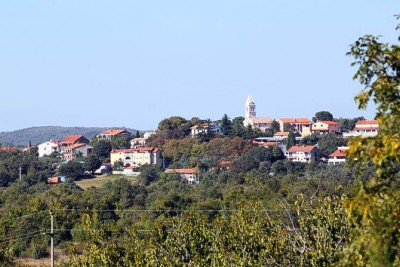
x: 73, y: 146
x: 114, y: 132
x: 225, y: 163
x: 139, y: 150
x: 203, y: 125
x: 71, y: 139
x: 261, y: 120
x: 301, y: 148
x: 281, y: 134
x: 181, y: 171
x: 296, y: 120
x: 339, y: 153
x: 8, y: 149
x: 363, y: 122
x: 330, y: 122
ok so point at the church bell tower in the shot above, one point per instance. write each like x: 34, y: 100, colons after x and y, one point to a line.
x: 250, y: 108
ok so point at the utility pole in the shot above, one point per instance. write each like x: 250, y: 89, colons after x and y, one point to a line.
x: 52, y: 239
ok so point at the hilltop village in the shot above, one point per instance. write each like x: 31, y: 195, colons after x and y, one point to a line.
x: 300, y: 140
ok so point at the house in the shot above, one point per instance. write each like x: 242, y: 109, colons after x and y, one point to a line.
x: 73, y: 139
x: 338, y: 156
x: 205, y: 128
x: 136, y: 157
x: 140, y: 141
x: 251, y: 119
x: 187, y: 175
x: 299, y: 125
x: 8, y: 149
x: 302, y: 154
x: 147, y: 135
x: 364, y: 128
x: 325, y: 127
x: 74, y: 151
x: 47, y: 148
x: 109, y: 134
x: 281, y: 135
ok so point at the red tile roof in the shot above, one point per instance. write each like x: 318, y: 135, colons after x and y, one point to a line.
x: 138, y: 150
x: 181, y: 171
x: 8, y: 149
x: 71, y: 139
x: 73, y: 146
x: 330, y: 122
x: 339, y: 153
x: 301, y: 148
x: 363, y: 122
x: 281, y: 134
x: 114, y: 132
x: 295, y: 120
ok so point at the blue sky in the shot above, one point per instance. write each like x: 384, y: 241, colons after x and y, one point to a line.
x: 134, y: 63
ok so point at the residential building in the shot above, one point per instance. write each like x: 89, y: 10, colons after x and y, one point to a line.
x: 136, y: 142
x: 147, y: 135
x: 338, y: 156
x: 325, y: 127
x: 306, y: 154
x: 8, y: 149
x: 136, y: 157
x: 74, y: 151
x: 186, y: 175
x: 107, y: 135
x: 47, y: 148
x: 205, y: 128
x: 281, y: 135
x: 73, y: 139
x: 251, y: 119
x: 299, y: 125
x: 364, y: 128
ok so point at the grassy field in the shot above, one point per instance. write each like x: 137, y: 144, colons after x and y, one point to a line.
x: 98, y: 181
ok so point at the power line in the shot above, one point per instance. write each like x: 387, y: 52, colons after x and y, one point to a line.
x: 23, y: 216
x: 190, y: 210
x: 22, y: 237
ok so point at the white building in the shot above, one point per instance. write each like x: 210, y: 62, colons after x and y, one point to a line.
x: 339, y: 156
x: 47, y: 148
x: 204, y: 128
x: 302, y: 154
x: 136, y: 157
x: 364, y: 128
x: 325, y: 127
x: 251, y: 119
x: 74, y: 151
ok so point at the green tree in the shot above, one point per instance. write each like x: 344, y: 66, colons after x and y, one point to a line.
x: 92, y: 163
x: 72, y: 169
x: 102, y: 149
x: 323, y: 116
x: 374, y: 211
x: 226, y: 125
x: 328, y: 143
x: 291, y: 140
x: 174, y: 127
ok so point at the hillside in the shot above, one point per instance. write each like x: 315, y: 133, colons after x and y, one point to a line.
x: 37, y: 135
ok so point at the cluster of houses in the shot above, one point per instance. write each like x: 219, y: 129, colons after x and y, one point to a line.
x: 303, y: 127
x: 77, y: 146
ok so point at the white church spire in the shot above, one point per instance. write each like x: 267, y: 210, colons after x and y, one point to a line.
x: 250, y: 108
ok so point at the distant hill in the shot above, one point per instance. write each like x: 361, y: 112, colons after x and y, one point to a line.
x: 37, y: 135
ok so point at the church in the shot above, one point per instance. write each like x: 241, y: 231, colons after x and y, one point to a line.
x: 251, y: 119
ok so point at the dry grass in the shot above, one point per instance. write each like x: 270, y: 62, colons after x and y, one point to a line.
x: 59, y: 258
x: 98, y: 181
